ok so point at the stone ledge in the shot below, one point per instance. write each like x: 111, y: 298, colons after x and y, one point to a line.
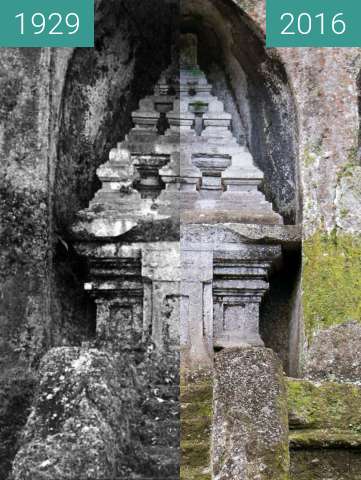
x: 289, y: 236
x: 195, y: 453
x: 300, y: 439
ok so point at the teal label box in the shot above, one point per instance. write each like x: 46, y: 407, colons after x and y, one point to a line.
x: 47, y: 23
x: 313, y: 23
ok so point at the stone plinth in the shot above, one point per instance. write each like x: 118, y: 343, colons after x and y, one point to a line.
x: 250, y: 424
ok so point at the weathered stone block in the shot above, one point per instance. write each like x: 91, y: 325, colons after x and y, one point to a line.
x: 73, y: 429
x: 250, y: 424
x: 335, y: 354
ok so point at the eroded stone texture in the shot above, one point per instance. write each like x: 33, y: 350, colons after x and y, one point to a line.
x: 73, y: 430
x: 103, y: 415
x: 250, y: 423
x: 24, y: 302
x: 334, y: 354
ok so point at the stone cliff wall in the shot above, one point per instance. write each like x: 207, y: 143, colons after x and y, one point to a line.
x: 326, y: 89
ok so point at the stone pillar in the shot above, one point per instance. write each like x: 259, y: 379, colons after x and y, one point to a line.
x: 250, y: 421
x: 197, y: 313
x: 162, y: 296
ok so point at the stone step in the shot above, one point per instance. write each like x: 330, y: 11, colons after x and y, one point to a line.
x: 196, y: 428
x: 196, y: 410
x: 195, y: 453
x: 196, y: 392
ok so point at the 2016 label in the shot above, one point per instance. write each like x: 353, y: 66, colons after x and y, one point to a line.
x: 304, y: 23
x: 313, y: 23
x: 53, y: 24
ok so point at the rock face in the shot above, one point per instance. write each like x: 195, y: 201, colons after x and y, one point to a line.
x: 100, y: 415
x: 250, y: 423
x: 330, y: 464
x: 334, y: 355
x: 73, y: 429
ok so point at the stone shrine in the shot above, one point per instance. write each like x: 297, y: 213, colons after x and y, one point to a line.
x: 179, y: 165
x: 165, y: 258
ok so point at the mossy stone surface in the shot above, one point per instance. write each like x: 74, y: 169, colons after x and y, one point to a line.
x: 324, y: 415
x: 326, y: 405
x: 196, y: 396
x: 331, y: 281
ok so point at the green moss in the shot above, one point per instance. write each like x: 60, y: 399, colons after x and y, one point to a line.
x: 344, y: 212
x: 332, y: 406
x: 311, y: 153
x: 195, y: 454
x: 194, y: 474
x: 353, y: 153
x: 196, y: 423
x: 200, y: 391
x: 348, y: 169
x: 324, y: 439
x: 331, y: 281
x: 196, y: 428
x: 276, y: 462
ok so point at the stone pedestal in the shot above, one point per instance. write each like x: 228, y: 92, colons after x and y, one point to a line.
x: 240, y: 281
x: 250, y: 423
x: 226, y: 278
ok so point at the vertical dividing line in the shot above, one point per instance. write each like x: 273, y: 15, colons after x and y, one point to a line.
x: 50, y: 54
